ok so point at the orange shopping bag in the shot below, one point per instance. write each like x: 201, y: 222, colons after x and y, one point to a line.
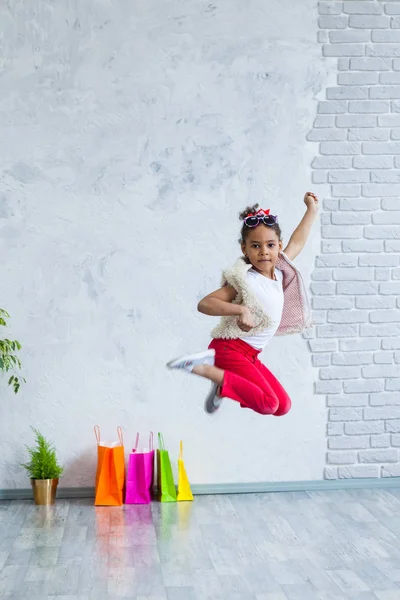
x: 110, y: 476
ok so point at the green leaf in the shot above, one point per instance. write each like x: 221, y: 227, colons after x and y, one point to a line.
x: 8, y: 357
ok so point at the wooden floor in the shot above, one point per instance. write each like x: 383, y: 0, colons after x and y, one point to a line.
x: 292, y: 546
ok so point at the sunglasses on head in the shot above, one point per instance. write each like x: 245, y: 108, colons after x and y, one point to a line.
x: 261, y: 216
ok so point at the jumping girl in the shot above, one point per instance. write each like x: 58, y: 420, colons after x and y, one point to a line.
x: 262, y: 296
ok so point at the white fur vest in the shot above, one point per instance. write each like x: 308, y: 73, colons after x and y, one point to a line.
x: 296, y: 315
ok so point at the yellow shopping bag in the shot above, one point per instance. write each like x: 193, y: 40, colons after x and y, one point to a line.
x: 184, y: 491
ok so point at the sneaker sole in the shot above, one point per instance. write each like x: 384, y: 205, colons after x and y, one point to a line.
x: 209, y: 405
x: 200, y: 356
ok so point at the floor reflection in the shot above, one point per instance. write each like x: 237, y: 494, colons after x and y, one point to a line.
x: 300, y: 545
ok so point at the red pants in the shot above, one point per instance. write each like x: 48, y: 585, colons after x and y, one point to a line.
x: 247, y: 380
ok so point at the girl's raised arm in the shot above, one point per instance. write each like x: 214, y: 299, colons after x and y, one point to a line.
x: 302, y: 231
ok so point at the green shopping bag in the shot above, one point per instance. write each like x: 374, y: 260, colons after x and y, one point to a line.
x: 165, y: 479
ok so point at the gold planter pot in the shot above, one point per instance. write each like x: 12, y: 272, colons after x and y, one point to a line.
x: 44, y: 490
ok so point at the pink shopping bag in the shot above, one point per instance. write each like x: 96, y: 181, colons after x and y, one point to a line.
x: 140, y: 474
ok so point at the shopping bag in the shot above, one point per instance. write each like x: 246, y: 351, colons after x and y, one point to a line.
x: 165, y: 479
x: 110, y: 476
x: 139, y: 481
x: 184, y: 491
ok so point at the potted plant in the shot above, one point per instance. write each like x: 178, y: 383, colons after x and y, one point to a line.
x: 43, y: 469
x: 9, y: 360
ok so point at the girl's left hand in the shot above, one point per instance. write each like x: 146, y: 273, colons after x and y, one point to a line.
x: 311, y: 200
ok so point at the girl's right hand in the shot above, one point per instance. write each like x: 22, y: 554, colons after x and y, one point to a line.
x: 245, y: 321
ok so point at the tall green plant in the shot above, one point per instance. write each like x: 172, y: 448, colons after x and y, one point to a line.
x: 43, y: 463
x: 9, y: 360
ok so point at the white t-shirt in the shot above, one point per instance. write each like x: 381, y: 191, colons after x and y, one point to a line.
x: 269, y: 292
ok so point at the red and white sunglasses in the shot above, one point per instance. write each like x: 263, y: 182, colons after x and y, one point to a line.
x: 261, y: 216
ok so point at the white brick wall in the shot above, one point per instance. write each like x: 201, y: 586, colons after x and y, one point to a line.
x: 356, y: 282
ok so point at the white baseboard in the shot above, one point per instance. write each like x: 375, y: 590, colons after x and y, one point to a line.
x: 233, y: 488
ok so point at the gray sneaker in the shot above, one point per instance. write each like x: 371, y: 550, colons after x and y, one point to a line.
x: 213, y: 401
x: 187, y: 362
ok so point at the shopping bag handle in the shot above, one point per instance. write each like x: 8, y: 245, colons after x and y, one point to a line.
x: 161, y: 441
x: 151, y: 443
x: 120, y: 436
x: 97, y: 433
